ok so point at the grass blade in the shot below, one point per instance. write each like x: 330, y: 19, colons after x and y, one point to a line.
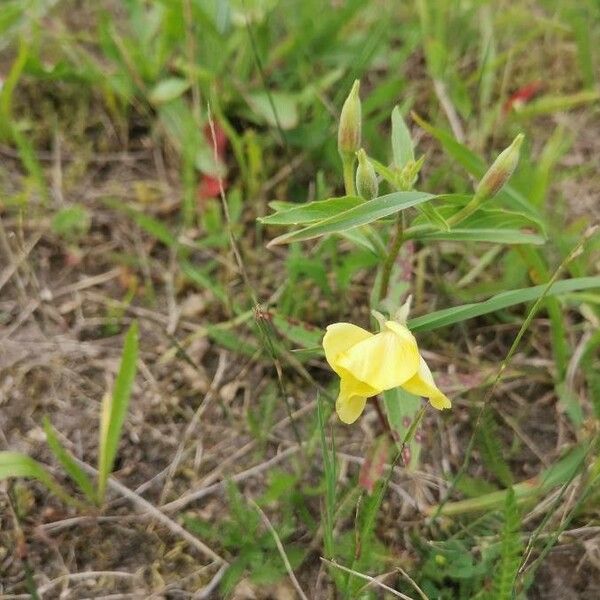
x: 15, y: 464
x: 75, y: 472
x: 558, y: 474
x: 114, y: 409
x: 490, y: 236
x: 448, y: 316
x: 312, y: 211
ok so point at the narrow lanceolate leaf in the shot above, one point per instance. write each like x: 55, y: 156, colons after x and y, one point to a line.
x: 68, y: 463
x: 365, y: 213
x: 312, y: 211
x: 491, y: 236
x: 402, y: 145
x: 114, y: 409
x: 448, y: 316
x: 15, y: 464
x: 484, y: 218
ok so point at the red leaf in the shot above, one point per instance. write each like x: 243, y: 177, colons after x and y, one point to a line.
x: 209, y: 187
x: 523, y: 95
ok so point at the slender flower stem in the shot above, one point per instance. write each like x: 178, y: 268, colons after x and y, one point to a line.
x: 383, y: 420
x: 348, y: 166
x: 466, y: 211
x: 391, y: 257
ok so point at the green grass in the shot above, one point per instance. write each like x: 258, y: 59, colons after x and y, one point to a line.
x: 106, y: 138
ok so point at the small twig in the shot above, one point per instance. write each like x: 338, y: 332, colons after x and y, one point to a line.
x: 85, y: 575
x: 408, y: 578
x: 368, y: 578
x: 284, y: 558
x: 206, y: 491
x: 14, y: 265
x: 206, y: 591
x: 448, y: 108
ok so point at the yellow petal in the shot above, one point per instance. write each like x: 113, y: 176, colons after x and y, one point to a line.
x: 422, y: 384
x: 385, y: 360
x: 349, y: 405
x: 340, y: 337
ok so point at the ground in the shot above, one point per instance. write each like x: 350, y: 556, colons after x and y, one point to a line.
x: 211, y: 405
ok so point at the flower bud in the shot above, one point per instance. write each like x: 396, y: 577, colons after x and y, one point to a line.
x: 500, y: 171
x: 366, y: 178
x: 350, y: 123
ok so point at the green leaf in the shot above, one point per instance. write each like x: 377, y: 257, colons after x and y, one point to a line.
x: 203, y: 280
x: 152, y: 226
x: 75, y: 472
x: 312, y: 211
x: 402, y: 145
x: 365, y: 213
x: 71, y: 222
x: 15, y: 464
x: 276, y: 108
x: 491, y: 236
x: 8, y: 87
x: 232, y: 341
x: 168, y: 89
x: 456, y: 314
x: 485, y: 218
x: 114, y: 409
x: 434, y: 216
x: 297, y: 332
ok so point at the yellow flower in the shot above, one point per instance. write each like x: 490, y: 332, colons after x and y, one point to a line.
x: 369, y: 364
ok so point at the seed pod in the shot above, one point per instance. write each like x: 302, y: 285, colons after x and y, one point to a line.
x: 350, y: 123
x: 500, y: 171
x: 366, y: 178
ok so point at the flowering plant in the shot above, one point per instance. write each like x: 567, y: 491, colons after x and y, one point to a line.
x: 389, y: 362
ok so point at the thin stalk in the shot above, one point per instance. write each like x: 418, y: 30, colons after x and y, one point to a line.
x: 466, y: 211
x: 391, y: 257
x: 348, y: 166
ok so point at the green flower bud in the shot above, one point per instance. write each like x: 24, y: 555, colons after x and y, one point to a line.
x: 500, y: 172
x: 366, y: 178
x: 350, y: 123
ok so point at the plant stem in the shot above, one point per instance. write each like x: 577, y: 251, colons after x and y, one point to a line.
x: 391, y: 257
x: 348, y: 166
x: 383, y: 420
x: 466, y: 211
